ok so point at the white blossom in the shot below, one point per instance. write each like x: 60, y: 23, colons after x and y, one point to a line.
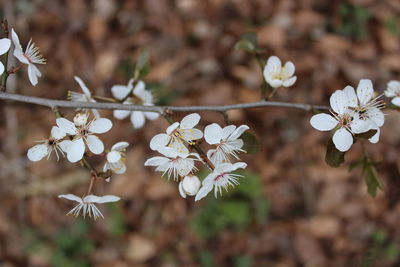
x: 393, y: 90
x: 5, y: 44
x: 178, y: 133
x: 221, y: 177
x: 116, y: 158
x: 226, y: 141
x: 367, y: 106
x: 278, y: 76
x: 345, y: 119
x: 190, y: 185
x: 83, y: 132
x: 31, y: 56
x: 140, y: 96
x: 54, y: 143
x: 85, y: 97
x: 174, y: 163
x: 87, y: 204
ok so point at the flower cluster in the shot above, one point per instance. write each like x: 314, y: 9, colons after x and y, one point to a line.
x: 178, y: 160
x: 353, y: 112
x: 78, y: 138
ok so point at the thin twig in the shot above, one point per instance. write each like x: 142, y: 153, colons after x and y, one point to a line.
x: 160, y: 109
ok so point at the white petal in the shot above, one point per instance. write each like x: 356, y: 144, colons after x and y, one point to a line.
x: 95, y: 144
x: 64, y: 145
x: 376, y: 115
x: 323, y: 122
x: 396, y: 101
x: 120, y: 146
x: 121, y: 114
x: 67, y: 126
x: 351, y: 96
x: 360, y: 126
x: 191, y: 134
x: 238, y: 132
x: 108, y: 198
x: 139, y: 88
x: 18, y: 53
x: 1, y: 68
x: 393, y: 88
x: 275, y: 82
x: 75, y: 150
x: 342, y: 139
x: 213, y: 134
x: 339, y: 102
x: 83, y: 86
x: 289, y: 82
x: 38, y: 152
x: 57, y: 133
x: 137, y: 119
x: 365, y: 91
x: 156, y: 161
x: 189, y: 121
x: 113, y: 156
x: 5, y: 44
x: 152, y: 115
x: 274, y: 62
x: 375, y: 138
x: 71, y: 197
x: 181, y: 191
x: 171, y: 152
x: 100, y: 126
x: 33, y: 74
x: 159, y: 140
x: 119, y: 167
x: 227, y: 131
x: 172, y: 127
x: 204, y: 190
x: 289, y: 69
x: 239, y: 165
x: 121, y: 91
x: 91, y: 199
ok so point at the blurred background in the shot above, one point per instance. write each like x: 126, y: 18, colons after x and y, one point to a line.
x: 292, y: 209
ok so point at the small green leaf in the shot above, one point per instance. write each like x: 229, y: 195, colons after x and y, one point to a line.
x: 333, y: 156
x: 372, y: 178
x: 142, y: 67
x: 366, y: 135
x: 251, y: 144
x: 248, y: 42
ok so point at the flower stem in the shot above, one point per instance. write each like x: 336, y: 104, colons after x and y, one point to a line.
x: 103, y: 98
x: 264, y: 86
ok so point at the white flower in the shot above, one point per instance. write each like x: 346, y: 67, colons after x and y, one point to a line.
x: 116, y: 158
x: 367, y: 107
x: 5, y: 44
x: 221, y: 177
x: 190, y: 185
x: 173, y: 163
x: 178, y: 133
x: 87, y: 204
x: 278, y: 76
x: 54, y: 143
x: 139, y: 96
x: 226, y: 141
x: 393, y: 90
x: 345, y: 119
x: 31, y: 56
x: 83, y: 132
x: 85, y: 97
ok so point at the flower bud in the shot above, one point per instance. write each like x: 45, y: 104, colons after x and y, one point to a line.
x: 190, y: 185
x: 80, y: 119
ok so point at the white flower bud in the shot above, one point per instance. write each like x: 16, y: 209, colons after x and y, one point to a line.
x: 190, y: 185
x: 80, y: 119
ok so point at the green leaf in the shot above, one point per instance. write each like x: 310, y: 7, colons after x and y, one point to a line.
x: 333, y: 156
x: 366, y: 135
x: 142, y: 67
x: 372, y: 178
x: 251, y: 144
x: 248, y: 42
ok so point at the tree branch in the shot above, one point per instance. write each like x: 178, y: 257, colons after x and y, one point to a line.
x: 159, y: 109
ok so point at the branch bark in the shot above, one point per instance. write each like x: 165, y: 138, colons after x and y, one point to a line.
x: 159, y: 109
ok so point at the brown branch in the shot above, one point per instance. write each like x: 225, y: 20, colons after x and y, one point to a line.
x: 159, y: 109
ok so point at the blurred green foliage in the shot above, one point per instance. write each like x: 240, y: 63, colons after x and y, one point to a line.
x: 383, y: 248
x: 70, y: 246
x: 392, y: 24
x: 353, y: 22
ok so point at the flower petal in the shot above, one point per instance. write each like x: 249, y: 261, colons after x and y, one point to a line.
x: 360, y: 126
x: 120, y: 146
x: 1, y: 68
x: 189, y: 121
x: 113, y: 156
x: 100, y: 126
x: 172, y: 127
x: 204, y: 190
x: 396, y: 101
x: 38, y: 152
x: 365, y: 91
x: 95, y: 144
x: 393, y: 89
x: 159, y: 140
x: 156, y: 161
x: 152, y: 115
x: 33, y: 74
x: 227, y: 131
x: 191, y: 134
x: 67, y: 126
x: 213, y: 134
x: 376, y: 115
x: 351, y: 96
x: 75, y: 150
x: 375, y: 138
x: 121, y: 114
x: 108, y: 198
x: 289, y: 69
x: 342, y: 140
x: 137, y: 119
x: 57, y: 133
x: 238, y: 132
x: 5, y: 44
x: 18, y: 53
x: 71, y: 197
x: 181, y: 191
x: 273, y: 63
x: 289, y: 82
x: 339, y: 102
x: 121, y: 91
x: 83, y: 86
x: 323, y: 122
